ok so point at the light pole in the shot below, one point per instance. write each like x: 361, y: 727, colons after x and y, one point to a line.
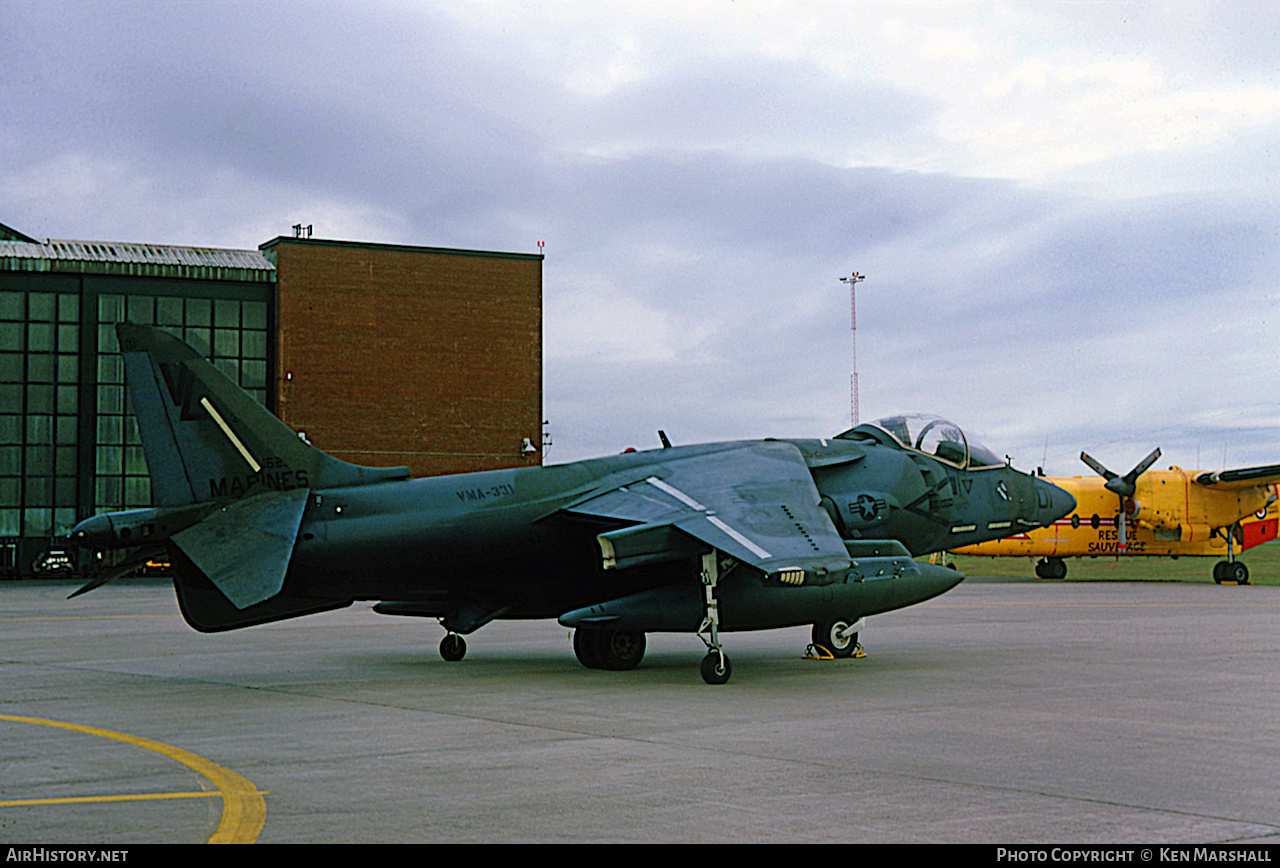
x: 853, y: 281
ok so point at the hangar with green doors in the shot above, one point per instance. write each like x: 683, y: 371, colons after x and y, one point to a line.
x: 68, y: 445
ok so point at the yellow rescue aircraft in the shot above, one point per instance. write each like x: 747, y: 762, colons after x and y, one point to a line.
x: 1154, y: 513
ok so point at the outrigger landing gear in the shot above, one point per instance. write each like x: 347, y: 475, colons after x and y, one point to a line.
x: 1231, y: 571
x: 715, y: 666
x: 453, y: 647
x: 839, y: 637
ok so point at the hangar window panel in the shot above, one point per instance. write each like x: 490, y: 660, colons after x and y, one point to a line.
x: 68, y: 338
x: 254, y: 315
x: 110, y: 461
x: 39, y: 461
x: 110, y: 309
x: 40, y: 368
x: 39, y: 491
x: 39, y: 430
x: 10, y: 397
x: 110, y: 369
x: 110, y: 399
x: 42, y: 306
x: 142, y: 309
x: 199, y: 312
x: 65, y: 430
x: 11, y: 460
x: 135, y: 462
x: 12, y: 306
x: 11, y: 368
x: 39, y: 398
x: 169, y: 311
x: 137, y: 492
x: 107, y: 493
x: 68, y: 307
x: 11, y: 334
x: 68, y: 400
x: 65, y: 492
x: 39, y: 337
x: 37, y: 522
x: 107, y: 339
x: 68, y: 369
x: 226, y: 313
x: 253, y: 344
x: 226, y: 342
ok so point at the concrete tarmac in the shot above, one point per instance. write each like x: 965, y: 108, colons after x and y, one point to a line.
x: 1002, y: 712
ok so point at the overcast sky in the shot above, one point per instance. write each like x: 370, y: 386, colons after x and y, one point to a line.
x: 1067, y: 213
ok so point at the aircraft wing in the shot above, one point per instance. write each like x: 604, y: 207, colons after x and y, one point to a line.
x: 1245, y: 477
x: 755, y: 502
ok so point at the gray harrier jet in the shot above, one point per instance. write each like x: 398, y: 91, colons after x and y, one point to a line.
x: 749, y: 535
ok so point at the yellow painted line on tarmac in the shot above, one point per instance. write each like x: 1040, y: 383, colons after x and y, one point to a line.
x: 85, y: 800
x: 244, y: 811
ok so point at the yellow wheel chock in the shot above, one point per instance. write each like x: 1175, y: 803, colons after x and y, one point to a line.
x: 820, y: 652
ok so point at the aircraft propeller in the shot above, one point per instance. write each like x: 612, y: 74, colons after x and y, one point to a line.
x: 1124, y: 486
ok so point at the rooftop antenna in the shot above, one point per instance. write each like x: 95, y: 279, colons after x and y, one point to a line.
x: 300, y: 231
x: 853, y: 280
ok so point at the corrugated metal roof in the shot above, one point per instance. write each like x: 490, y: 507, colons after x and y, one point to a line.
x: 138, y: 260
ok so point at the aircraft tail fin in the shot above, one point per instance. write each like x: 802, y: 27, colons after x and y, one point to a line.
x: 206, y: 439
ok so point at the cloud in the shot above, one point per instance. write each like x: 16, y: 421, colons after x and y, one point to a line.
x: 1066, y: 213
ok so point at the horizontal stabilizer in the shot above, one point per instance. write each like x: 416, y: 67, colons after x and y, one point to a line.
x: 244, y: 548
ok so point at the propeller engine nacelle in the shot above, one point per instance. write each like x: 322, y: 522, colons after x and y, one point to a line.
x: 1124, y: 487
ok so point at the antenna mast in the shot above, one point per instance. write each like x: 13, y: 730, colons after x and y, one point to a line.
x: 853, y: 281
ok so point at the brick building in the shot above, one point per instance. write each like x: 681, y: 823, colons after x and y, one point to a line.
x: 382, y: 355
x: 410, y: 355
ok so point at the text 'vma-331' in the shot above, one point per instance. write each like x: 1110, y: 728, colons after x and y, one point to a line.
x: 1154, y: 513
x: 260, y: 526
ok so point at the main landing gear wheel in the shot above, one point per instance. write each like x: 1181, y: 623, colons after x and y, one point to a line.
x: 1051, y: 568
x: 836, y: 637
x: 616, y: 650
x: 716, y: 668
x: 453, y: 647
x: 1231, y: 571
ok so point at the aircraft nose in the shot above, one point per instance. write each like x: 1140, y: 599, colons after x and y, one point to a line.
x: 93, y: 532
x: 1053, y: 502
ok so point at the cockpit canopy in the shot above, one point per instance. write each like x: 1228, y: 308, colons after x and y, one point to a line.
x: 932, y: 435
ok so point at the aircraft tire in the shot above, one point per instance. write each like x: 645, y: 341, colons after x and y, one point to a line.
x: 828, y: 635
x: 619, y: 650
x: 1051, y: 568
x: 584, y: 648
x: 1227, y: 571
x: 453, y: 647
x: 716, y: 668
